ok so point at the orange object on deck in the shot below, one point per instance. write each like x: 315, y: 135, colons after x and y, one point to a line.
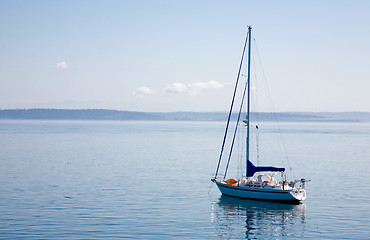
x: 231, y: 181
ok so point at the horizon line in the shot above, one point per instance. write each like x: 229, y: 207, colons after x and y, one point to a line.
x: 179, y: 111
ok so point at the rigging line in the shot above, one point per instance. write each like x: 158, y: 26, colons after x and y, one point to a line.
x: 255, y: 96
x: 240, y: 158
x: 231, y: 107
x: 273, y: 108
x: 236, y: 129
x: 241, y: 150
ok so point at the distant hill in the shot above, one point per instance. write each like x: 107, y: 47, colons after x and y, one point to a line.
x: 103, y: 114
x: 75, y: 114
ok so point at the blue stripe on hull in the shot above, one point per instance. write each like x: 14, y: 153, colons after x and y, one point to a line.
x: 254, y: 190
x: 260, y: 194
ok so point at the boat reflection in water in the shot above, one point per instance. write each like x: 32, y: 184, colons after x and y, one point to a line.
x: 242, y: 218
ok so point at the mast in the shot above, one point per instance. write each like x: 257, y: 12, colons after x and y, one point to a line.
x: 249, y: 92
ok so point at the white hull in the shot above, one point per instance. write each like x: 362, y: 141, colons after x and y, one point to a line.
x: 294, y: 195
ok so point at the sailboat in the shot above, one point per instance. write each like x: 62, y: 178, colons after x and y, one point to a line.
x: 263, y: 186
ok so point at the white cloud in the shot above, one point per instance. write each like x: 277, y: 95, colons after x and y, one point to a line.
x: 61, y: 65
x: 143, y: 91
x: 191, y: 88
x: 176, y: 88
x: 205, y: 85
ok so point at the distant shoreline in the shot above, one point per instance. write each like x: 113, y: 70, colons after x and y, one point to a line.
x: 105, y: 114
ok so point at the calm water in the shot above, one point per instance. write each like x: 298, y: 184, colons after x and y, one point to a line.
x: 151, y: 180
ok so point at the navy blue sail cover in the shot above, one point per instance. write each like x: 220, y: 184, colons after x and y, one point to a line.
x: 251, y: 169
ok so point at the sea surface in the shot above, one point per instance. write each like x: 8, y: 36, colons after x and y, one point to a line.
x: 151, y: 180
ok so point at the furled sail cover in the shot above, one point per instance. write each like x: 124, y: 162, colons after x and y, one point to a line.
x: 251, y: 169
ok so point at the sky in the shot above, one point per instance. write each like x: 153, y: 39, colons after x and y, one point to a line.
x: 166, y: 56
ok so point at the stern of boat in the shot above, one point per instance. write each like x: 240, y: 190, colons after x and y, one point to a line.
x: 299, y: 194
